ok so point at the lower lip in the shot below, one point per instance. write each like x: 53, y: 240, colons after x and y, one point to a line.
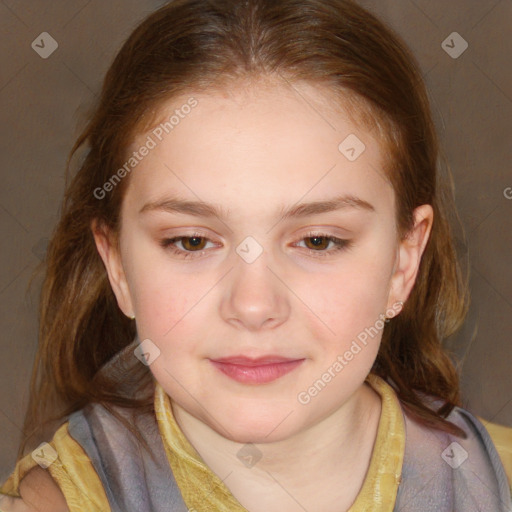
x: 257, y: 374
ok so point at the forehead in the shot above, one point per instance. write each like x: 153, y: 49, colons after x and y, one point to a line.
x: 270, y: 142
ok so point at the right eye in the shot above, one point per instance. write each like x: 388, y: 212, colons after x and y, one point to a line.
x: 191, y: 244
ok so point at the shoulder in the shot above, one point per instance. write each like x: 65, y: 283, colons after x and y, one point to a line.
x: 67, y: 482
x: 468, y: 470
x: 38, y: 493
x: 502, y: 439
x: 495, y: 440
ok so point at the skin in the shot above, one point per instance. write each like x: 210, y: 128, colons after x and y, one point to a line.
x: 253, y: 151
x: 39, y: 493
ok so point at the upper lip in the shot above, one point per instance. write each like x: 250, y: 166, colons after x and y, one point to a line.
x: 256, y: 361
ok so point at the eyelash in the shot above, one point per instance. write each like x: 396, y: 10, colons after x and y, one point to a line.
x: 341, y: 244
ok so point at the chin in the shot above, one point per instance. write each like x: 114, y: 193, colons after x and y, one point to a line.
x: 255, y: 435
x: 253, y: 427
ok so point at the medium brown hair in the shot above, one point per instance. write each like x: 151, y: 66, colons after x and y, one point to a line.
x: 193, y: 45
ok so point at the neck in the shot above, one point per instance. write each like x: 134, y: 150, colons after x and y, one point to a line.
x: 337, y: 448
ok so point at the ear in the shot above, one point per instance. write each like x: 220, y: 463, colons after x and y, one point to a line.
x: 409, y: 254
x: 111, y: 257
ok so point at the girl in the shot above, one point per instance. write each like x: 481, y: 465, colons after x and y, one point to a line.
x: 248, y: 290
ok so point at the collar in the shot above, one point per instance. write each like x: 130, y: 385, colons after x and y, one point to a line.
x: 202, y: 489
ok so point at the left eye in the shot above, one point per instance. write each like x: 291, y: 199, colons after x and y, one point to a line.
x: 316, y: 244
x: 320, y: 242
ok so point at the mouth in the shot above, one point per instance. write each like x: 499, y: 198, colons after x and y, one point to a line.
x: 256, y: 371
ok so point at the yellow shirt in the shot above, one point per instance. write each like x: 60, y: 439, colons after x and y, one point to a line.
x: 203, y: 490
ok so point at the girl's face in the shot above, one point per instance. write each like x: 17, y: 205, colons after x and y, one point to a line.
x: 251, y: 185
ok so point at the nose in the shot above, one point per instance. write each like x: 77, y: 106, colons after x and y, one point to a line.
x: 255, y: 296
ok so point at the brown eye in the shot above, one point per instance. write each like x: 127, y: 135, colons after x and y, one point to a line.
x: 318, y: 242
x: 193, y: 243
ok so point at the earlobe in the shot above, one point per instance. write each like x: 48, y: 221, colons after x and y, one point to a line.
x: 114, y: 267
x: 410, y: 251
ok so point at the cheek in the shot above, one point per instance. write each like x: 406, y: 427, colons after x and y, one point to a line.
x: 161, y: 295
x: 165, y: 303
x: 348, y: 301
x: 169, y: 314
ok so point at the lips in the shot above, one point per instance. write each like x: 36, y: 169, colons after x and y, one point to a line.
x: 258, y: 361
x: 259, y: 370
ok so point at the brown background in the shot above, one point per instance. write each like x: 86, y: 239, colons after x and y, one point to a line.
x: 43, y: 103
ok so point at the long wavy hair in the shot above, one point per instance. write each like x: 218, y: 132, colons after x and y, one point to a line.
x: 198, y: 45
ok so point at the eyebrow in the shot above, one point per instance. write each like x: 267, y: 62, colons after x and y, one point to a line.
x: 203, y: 209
